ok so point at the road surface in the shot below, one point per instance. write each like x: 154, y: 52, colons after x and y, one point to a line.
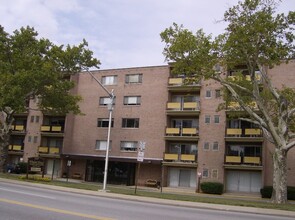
x: 20, y: 202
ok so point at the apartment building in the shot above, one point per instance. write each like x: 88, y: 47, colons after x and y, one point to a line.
x: 186, y: 139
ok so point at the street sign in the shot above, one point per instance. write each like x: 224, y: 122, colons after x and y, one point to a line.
x: 140, y: 156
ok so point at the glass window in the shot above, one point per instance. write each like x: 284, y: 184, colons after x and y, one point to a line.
x: 216, y: 119
x: 217, y: 93
x: 128, y: 145
x: 205, y: 173
x: 32, y: 118
x: 104, y: 100
x: 206, y: 146
x: 214, y: 173
x: 37, y: 119
x: 215, y: 146
x: 133, y: 78
x: 104, y: 122
x: 132, y: 100
x: 109, y: 80
x: 130, y: 122
x: 102, y: 145
x: 207, y: 119
x: 208, y: 94
x: 35, y: 139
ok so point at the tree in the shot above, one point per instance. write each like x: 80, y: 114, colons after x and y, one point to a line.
x: 258, y: 38
x: 35, y: 68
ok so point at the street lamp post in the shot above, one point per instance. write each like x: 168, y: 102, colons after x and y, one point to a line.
x: 110, y: 108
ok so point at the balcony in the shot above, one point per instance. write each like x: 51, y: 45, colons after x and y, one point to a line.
x: 179, y: 84
x: 189, y: 134
x: 244, y: 134
x: 243, y: 162
x: 182, y: 160
x: 235, y: 106
x: 247, y: 77
x: 18, y: 129
x: 15, y: 149
x: 54, y: 130
x: 49, y: 151
x: 185, y: 108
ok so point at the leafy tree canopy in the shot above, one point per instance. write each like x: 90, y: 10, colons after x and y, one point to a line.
x: 34, y: 67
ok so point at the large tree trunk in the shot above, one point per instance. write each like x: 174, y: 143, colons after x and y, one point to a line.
x: 6, y: 121
x: 279, y: 193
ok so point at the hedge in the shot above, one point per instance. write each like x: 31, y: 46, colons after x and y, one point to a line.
x: 212, y: 187
x: 266, y: 192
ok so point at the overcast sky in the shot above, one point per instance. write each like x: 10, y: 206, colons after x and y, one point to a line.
x: 121, y: 33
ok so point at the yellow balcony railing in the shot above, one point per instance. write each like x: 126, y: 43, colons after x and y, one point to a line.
x: 190, y: 105
x: 252, y: 132
x: 174, y: 105
x: 188, y: 157
x: 10, y: 147
x: 233, y: 159
x: 189, y: 131
x: 56, y: 128
x: 43, y: 150
x: 19, y: 128
x: 175, y: 81
x: 170, y: 156
x: 17, y: 147
x: 172, y: 131
x: 234, y: 131
x: 45, y: 128
x: 252, y: 160
x: 54, y: 150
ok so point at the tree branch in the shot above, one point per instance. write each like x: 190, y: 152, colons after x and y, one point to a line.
x: 290, y: 145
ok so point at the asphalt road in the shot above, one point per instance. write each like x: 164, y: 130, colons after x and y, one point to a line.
x: 19, y: 202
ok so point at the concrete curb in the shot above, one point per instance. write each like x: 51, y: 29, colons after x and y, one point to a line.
x: 158, y: 200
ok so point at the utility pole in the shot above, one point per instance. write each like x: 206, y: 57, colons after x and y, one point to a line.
x: 110, y: 108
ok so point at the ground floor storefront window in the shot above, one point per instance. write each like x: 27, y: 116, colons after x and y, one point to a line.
x: 118, y: 172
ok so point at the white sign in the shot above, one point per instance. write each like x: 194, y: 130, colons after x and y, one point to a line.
x: 140, y: 156
x: 141, y: 145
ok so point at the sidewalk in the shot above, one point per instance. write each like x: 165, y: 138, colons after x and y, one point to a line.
x: 163, y: 201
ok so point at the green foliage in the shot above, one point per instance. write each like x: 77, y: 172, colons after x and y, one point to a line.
x: 266, y: 192
x: 22, y: 167
x: 31, y: 67
x: 212, y: 187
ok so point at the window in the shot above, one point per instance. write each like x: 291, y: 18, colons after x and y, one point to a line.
x: 133, y: 78
x: 35, y: 139
x: 32, y: 118
x: 37, y: 119
x: 208, y: 94
x: 183, y: 148
x: 104, y: 100
x: 130, y: 122
x: 102, y: 145
x: 216, y: 119
x: 109, y: 80
x: 207, y: 119
x: 214, y: 173
x: 128, y: 146
x: 30, y: 139
x: 215, y: 146
x: 104, y: 122
x: 205, y: 173
x: 217, y: 93
x: 132, y: 100
x: 206, y: 146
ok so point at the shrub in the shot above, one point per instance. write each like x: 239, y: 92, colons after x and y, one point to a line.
x: 22, y: 167
x: 266, y: 192
x: 35, y: 178
x: 212, y: 187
